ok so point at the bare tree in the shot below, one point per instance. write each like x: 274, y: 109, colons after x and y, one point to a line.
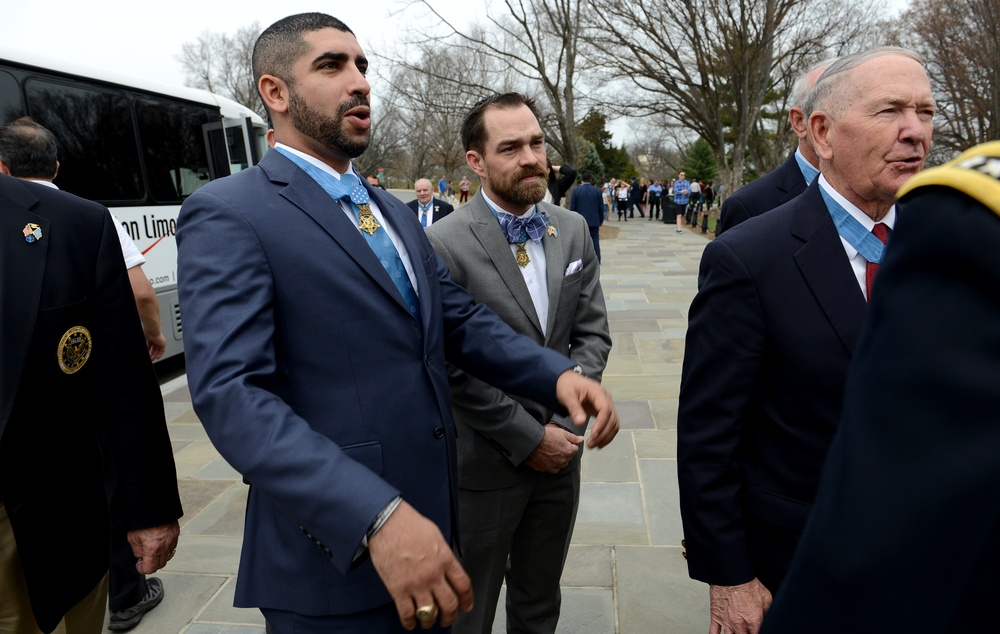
x: 712, y: 65
x: 960, y: 43
x: 537, y: 41
x: 222, y: 63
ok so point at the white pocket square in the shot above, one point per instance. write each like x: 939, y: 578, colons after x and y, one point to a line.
x: 573, y: 267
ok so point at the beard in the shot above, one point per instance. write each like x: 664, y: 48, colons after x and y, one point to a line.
x: 328, y: 131
x: 512, y: 189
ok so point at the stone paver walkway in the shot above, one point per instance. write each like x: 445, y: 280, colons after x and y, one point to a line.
x: 625, y: 572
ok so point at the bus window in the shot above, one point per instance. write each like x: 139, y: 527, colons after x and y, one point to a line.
x: 176, y: 162
x: 10, y: 99
x: 98, y: 155
x: 237, y: 142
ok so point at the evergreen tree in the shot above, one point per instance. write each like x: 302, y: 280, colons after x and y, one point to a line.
x: 699, y: 162
x: 590, y: 161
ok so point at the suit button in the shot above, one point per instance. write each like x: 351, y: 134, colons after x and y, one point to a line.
x: 684, y: 555
x: 439, y: 432
x: 427, y: 359
x: 684, y: 543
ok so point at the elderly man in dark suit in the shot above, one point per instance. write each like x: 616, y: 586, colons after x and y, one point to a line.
x: 518, y: 462
x: 779, y: 309
x: 787, y: 180
x: 73, y: 364
x: 427, y: 208
x: 317, y: 324
x: 914, y: 466
x: 588, y: 201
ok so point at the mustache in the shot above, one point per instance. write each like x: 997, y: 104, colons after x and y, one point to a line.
x: 354, y: 102
x: 539, y: 170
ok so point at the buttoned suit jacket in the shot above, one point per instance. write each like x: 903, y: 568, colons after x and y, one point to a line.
x: 316, y: 383
x: 443, y: 208
x: 768, y: 192
x: 913, y: 468
x: 51, y: 467
x: 496, y: 431
x: 770, y: 336
x: 588, y: 201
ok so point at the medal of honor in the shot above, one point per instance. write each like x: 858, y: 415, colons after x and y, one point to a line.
x: 522, y: 256
x: 32, y: 232
x: 367, y: 221
x: 74, y: 349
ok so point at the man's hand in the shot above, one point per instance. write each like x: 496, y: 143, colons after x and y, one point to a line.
x: 557, y: 448
x: 418, y: 568
x: 582, y: 397
x: 152, y: 546
x: 157, y: 345
x: 738, y: 609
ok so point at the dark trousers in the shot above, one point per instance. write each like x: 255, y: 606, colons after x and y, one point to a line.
x: 380, y: 620
x: 595, y: 236
x: 654, y: 207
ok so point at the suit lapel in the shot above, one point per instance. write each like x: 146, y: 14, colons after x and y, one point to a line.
x: 22, y: 266
x: 824, y: 264
x: 555, y: 265
x: 790, y: 180
x: 306, y: 194
x: 487, y: 231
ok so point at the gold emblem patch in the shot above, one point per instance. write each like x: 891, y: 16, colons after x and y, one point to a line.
x: 74, y: 349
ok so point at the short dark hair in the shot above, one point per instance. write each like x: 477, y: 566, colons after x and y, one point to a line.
x: 474, y: 128
x: 281, y: 44
x: 586, y: 177
x: 28, y: 149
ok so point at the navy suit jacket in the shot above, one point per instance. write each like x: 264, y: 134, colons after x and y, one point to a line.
x: 51, y: 464
x: 315, y: 382
x: 771, y: 332
x: 588, y: 201
x: 771, y: 190
x: 907, y: 519
x: 443, y: 208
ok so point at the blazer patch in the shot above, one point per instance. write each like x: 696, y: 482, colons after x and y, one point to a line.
x: 74, y: 349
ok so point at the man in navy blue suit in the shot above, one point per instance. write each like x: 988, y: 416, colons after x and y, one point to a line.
x: 588, y: 201
x: 787, y: 180
x: 780, y: 306
x: 317, y: 323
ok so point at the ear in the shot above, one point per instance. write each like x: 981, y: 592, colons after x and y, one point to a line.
x: 798, y: 121
x: 475, y: 161
x: 56, y: 173
x: 821, y: 129
x: 274, y: 93
x: 4, y: 169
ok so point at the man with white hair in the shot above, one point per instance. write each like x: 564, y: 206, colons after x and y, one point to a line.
x: 780, y: 307
x: 428, y: 209
x: 788, y: 180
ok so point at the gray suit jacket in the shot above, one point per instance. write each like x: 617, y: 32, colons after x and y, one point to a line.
x: 496, y: 431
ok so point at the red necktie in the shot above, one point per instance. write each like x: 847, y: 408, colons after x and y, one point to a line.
x: 881, y: 231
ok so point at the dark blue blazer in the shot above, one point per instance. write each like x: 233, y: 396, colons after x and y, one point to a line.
x: 771, y: 332
x: 588, y: 201
x: 907, y: 519
x: 315, y: 382
x: 771, y: 190
x: 52, y: 476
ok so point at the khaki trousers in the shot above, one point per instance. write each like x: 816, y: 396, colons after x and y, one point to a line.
x: 86, y: 617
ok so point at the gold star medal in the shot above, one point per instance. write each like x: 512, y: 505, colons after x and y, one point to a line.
x: 521, y: 256
x: 366, y: 219
x: 32, y: 232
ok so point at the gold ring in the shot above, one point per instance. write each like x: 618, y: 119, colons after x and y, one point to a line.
x: 427, y: 614
x: 171, y: 554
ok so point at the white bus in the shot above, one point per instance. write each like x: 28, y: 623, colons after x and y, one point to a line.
x: 137, y: 145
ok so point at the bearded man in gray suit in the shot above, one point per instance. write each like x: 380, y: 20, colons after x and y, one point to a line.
x: 519, y: 464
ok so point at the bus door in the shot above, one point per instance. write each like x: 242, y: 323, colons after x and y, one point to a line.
x: 231, y: 145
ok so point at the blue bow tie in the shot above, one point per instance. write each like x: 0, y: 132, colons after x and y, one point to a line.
x: 519, y: 228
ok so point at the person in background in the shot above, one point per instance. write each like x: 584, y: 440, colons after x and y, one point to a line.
x: 427, y: 208
x: 561, y: 178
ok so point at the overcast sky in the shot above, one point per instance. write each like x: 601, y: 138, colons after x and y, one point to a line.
x: 145, y: 38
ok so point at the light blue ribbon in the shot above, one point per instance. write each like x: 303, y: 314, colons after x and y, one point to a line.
x: 349, y: 186
x: 870, y: 247
x: 808, y: 171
